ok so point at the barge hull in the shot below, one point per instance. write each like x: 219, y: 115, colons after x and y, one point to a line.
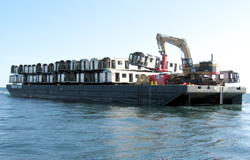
x: 164, y: 95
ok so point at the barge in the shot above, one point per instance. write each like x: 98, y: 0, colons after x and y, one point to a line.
x: 160, y: 95
x: 141, y: 79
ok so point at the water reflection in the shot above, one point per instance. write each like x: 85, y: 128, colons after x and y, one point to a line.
x: 109, y: 131
x: 162, y: 130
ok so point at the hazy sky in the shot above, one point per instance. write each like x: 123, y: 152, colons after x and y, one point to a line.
x: 45, y: 31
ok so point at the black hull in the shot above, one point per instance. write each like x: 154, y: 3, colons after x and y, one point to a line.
x: 166, y: 95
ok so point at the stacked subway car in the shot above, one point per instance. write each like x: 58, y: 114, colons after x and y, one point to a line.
x: 86, y: 71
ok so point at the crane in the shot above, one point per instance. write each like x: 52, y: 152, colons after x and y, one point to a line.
x: 206, y: 72
x: 187, y: 61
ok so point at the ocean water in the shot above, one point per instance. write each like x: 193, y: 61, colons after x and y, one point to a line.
x: 45, y: 129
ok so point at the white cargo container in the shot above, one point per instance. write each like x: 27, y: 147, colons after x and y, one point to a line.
x: 39, y: 78
x: 70, y: 65
x: 114, y: 63
x: 34, y: 79
x: 30, y: 78
x: 84, y: 63
x: 51, y: 68
x: 49, y: 78
x: 19, y: 78
x: 94, y: 64
x: 39, y: 68
x: 45, y: 68
x: 12, y: 79
x: 26, y: 68
x: 56, y: 66
x: 30, y: 69
x: 61, y: 66
x: 82, y: 77
x: 33, y: 68
x: 61, y: 77
x: 20, y: 69
x: 16, y: 69
x: 118, y: 76
x: 144, y: 60
x: 174, y: 67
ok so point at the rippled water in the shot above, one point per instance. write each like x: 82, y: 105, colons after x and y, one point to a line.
x: 45, y: 129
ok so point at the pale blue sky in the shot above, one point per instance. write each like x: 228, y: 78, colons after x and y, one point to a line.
x: 45, y: 31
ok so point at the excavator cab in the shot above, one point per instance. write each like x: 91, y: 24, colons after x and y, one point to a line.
x: 187, y: 62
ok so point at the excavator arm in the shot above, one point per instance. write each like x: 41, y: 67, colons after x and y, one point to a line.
x: 180, y: 43
x: 187, y: 62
